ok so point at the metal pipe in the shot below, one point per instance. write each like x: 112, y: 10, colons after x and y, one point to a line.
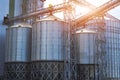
x: 85, y: 3
x: 42, y: 11
x: 98, y: 11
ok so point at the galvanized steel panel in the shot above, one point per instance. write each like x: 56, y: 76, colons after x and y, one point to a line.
x: 86, y: 48
x: 48, y: 40
x: 112, y: 49
x: 18, y: 44
x: 18, y: 7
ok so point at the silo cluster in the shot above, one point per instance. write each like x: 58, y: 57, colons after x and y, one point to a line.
x: 42, y: 50
x: 36, y: 55
x: 38, y: 52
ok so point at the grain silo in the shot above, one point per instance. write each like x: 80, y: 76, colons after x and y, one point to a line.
x: 110, y: 33
x: 22, y: 7
x: 112, y: 50
x: 48, y: 49
x: 86, y: 52
x: 18, y: 46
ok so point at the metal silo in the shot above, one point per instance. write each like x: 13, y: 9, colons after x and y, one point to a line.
x: 17, y: 56
x: 110, y: 58
x: 22, y: 7
x: 48, y: 49
x: 2, y: 48
x: 19, y: 7
x: 99, y: 26
x: 112, y: 50
x: 86, y: 51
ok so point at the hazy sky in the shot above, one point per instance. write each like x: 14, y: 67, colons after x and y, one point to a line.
x: 4, y: 6
x: 115, y: 12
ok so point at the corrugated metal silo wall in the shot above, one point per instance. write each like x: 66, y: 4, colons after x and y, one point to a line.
x: 21, y: 7
x: 113, y: 50
x: 2, y: 48
x: 17, y: 56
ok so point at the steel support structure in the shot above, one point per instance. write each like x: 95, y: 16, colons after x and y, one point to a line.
x: 100, y: 56
x: 41, y: 11
x: 87, y: 72
x: 98, y: 11
x: 67, y: 55
x: 73, y: 59
x: 17, y: 71
x: 70, y: 57
x: 47, y: 70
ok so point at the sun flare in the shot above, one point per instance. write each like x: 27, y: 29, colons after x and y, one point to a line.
x: 79, y: 10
